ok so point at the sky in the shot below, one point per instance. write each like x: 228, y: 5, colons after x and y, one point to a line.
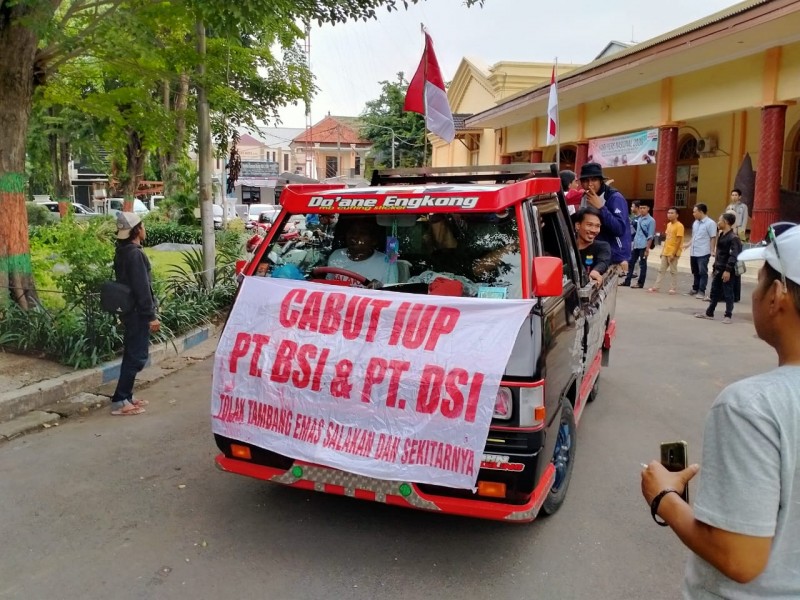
x: 349, y: 61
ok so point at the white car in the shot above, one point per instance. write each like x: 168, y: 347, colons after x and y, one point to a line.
x: 254, y: 211
x: 80, y: 212
x: 114, y: 205
x: 217, y: 215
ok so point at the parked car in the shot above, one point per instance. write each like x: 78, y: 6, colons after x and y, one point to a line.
x: 218, y: 212
x: 80, y: 212
x: 254, y: 211
x: 114, y: 205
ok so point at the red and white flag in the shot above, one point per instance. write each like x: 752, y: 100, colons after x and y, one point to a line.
x: 427, y: 96
x: 552, y: 111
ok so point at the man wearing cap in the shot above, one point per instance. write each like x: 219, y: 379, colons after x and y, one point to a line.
x: 744, y: 528
x: 615, y: 228
x: 132, y: 267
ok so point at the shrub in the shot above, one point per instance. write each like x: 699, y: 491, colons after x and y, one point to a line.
x: 37, y: 214
x: 171, y: 233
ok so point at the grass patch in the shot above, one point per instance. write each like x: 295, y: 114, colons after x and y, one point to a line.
x: 162, y: 261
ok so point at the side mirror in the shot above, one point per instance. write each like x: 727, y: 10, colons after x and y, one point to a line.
x: 548, y: 276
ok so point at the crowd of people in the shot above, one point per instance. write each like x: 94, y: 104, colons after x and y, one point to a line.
x: 631, y: 236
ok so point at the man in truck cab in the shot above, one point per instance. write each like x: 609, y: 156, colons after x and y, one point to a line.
x: 595, y: 254
x: 360, y: 254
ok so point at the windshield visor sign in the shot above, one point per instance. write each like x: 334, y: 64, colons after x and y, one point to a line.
x: 371, y: 383
x: 393, y: 202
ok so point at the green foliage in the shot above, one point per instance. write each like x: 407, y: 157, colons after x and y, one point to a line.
x: 74, y: 337
x: 385, y: 121
x: 37, y: 214
x: 84, y: 253
x: 172, y: 233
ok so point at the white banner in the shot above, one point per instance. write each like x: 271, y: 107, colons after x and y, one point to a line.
x: 639, y: 148
x: 394, y: 386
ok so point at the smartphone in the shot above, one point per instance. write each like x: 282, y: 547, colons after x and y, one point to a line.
x: 675, y: 457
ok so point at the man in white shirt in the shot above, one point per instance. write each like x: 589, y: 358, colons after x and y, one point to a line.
x: 744, y: 527
x: 361, y: 256
x: 702, y: 246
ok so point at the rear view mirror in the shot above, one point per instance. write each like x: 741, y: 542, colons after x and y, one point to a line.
x: 399, y: 220
x: 547, y: 276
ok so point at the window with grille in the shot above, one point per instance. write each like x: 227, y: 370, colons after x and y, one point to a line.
x: 331, y: 166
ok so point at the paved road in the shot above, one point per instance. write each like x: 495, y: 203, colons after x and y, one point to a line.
x: 106, y: 507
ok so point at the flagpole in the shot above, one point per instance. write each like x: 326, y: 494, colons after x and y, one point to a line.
x: 558, y: 123
x: 425, y: 98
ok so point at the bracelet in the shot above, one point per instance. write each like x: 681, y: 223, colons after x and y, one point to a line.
x: 657, y: 501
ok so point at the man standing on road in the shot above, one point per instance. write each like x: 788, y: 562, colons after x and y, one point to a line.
x: 703, y: 245
x: 671, y: 252
x: 595, y: 254
x: 616, y: 229
x: 744, y: 529
x: 728, y: 248
x: 132, y: 268
x: 738, y: 208
x: 642, y: 242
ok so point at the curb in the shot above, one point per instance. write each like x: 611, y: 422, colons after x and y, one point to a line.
x: 21, y: 401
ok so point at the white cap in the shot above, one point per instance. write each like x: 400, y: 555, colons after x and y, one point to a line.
x: 125, y: 222
x: 789, y: 248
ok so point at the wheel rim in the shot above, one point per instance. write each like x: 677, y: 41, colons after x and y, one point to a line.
x: 561, y: 455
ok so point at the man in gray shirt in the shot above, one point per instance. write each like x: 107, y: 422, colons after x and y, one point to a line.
x: 701, y: 247
x: 744, y: 529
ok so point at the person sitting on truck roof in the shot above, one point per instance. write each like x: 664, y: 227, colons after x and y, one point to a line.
x: 595, y: 254
x: 616, y: 229
x: 360, y: 254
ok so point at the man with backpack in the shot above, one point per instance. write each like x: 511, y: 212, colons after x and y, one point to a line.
x: 132, y: 268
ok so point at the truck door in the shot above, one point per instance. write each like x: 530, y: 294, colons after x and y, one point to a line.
x: 562, y: 321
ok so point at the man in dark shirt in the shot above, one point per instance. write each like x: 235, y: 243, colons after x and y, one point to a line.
x: 595, y: 254
x: 132, y: 268
x: 723, y: 279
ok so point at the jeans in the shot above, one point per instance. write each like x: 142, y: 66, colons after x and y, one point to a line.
x: 700, y: 272
x: 637, y: 254
x: 721, y: 290
x: 136, y: 351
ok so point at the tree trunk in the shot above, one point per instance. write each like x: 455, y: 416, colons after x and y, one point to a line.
x: 171, y: 156
x: 17, y: 59
x: 135, y: 155
x: 163, y: 156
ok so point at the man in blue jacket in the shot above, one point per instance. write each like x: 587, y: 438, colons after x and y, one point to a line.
x: 615, y: 227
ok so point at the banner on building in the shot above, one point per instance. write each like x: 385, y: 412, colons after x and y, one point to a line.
x: 384, y: 385
x: 637, y: 148
x: 259, y: 168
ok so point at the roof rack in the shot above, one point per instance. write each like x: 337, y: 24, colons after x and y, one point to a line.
x: 470, y: 174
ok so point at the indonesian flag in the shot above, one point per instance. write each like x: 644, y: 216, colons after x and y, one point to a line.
x: 552, y: 110
x: 426, y: 95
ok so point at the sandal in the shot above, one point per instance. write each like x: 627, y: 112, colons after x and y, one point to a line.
x: 652, y: 290
x: 673, y: 292
x: 128, y: 409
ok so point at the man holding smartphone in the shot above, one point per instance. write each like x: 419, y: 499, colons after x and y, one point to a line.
x: 744, y: 528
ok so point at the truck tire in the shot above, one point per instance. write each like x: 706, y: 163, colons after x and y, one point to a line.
x: 563, y: 459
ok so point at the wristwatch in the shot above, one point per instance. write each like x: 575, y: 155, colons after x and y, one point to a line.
x: 657, y: 501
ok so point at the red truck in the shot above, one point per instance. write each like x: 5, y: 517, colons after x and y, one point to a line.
x: 475, y: 234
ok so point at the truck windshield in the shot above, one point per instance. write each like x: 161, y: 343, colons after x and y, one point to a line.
x: 479, y: 250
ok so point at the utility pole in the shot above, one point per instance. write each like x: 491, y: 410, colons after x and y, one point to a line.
x: 204, y: 161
